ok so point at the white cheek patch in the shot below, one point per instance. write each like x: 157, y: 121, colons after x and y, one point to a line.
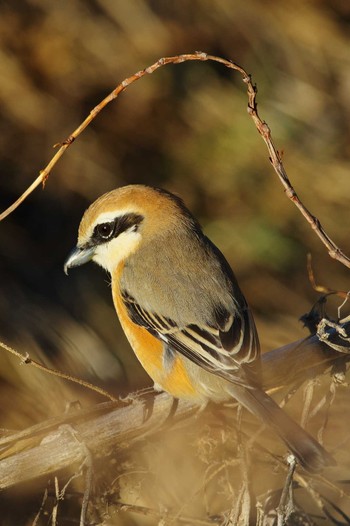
x: 110, y: 254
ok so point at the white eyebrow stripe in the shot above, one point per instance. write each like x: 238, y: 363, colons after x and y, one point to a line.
x: 111, y: 215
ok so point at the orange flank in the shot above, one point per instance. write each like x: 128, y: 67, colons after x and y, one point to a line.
x: 149, y: 351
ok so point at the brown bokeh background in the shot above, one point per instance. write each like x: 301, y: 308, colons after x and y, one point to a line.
x: 184, y: 128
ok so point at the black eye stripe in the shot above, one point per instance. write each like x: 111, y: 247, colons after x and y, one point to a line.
x: 104, y: 232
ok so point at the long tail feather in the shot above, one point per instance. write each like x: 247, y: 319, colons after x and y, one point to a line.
x: 311, y: 455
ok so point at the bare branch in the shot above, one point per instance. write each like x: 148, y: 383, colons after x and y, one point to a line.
x: 55, y: 445
x: 262, y: 127
x: 62, y: 447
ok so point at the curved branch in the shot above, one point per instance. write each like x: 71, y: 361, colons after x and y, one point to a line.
x: 263, y: 129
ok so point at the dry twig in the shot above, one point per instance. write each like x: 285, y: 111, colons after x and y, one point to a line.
x: 42, y: 505
x: 322, y: 289
x: 51, y: 446
x: 26, y: 360
x: 286, y: 504
x: 55, y: 507
x: 262, y: 127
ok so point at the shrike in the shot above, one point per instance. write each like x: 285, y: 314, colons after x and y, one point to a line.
x: 180, y: 306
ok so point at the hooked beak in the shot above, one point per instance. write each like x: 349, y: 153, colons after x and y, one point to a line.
x: 78, y: 257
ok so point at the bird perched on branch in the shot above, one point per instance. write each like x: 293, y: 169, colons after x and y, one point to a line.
x: 180, y: 306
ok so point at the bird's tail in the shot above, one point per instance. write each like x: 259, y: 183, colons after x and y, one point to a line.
x: 311, y: 455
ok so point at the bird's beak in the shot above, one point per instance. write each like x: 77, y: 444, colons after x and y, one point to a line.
x: 78, y: 257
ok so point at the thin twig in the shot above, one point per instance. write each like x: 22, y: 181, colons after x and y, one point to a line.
x: 320, y: 500
x: 315, y: 495
x: 241, y: 508
x: 43, y: 502
x: 286, y: 505
x: 276, y: 161
x: 330, y: 397
x: 55, y: 508
x: 262, y: 127
x: 75, y: 475
x: 26, y: 360
x: 53, y: 448
x: 207, y: 479
x: 322, y: 289
x: 307, y: 396
x: 87, y: 490
x: 339, y: 512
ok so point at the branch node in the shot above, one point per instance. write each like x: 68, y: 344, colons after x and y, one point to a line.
x: 316, y: 225
x: 43, y: 176
x: 26, y: 359
x: 69, y: 140
x: 201, y: 54
x: 291, y: 194
x: 266, y: 133
x: 94, y: 112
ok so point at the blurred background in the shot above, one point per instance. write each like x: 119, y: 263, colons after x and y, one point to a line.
x: 184, y: 128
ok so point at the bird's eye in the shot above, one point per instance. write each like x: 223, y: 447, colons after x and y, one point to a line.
x: 105, y: 230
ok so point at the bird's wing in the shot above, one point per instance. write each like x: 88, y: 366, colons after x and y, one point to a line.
x: 221, y: 347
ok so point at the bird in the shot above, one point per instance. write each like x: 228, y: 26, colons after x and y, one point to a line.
x: 181, y: 308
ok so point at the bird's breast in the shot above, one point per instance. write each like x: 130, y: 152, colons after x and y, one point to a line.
x: 150, y: 351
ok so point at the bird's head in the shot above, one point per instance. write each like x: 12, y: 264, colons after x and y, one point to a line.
x: 117, y: 223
